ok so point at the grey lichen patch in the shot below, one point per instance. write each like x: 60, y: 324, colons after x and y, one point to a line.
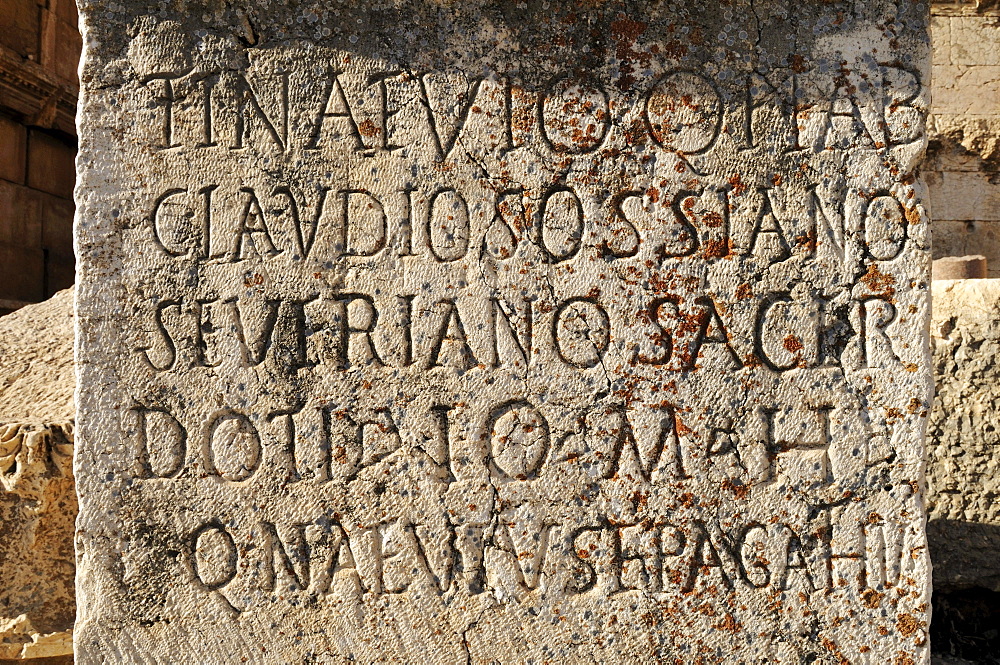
x: 498, y: 331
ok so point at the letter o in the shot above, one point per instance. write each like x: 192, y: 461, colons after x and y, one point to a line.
x: 582, y: 332
x: 234, y: 448
x: 885, y: 228
x: 683, y: 112
x: 448, y: 225
x: 518, y: 437
x: 575, y: 116
x: 562, y: 224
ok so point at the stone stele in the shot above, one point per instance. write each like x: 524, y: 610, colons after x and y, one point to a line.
x: 489, y: 332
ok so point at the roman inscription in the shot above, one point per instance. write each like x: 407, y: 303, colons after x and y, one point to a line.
x: 486, y: 332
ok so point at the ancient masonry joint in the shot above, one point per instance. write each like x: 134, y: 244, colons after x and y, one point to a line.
x: 482, y: 331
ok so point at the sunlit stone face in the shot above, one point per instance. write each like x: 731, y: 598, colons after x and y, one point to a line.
x: 486, y: 333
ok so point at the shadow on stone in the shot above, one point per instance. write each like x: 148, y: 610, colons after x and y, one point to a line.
x: 964, y: 555
x: 966, y: 625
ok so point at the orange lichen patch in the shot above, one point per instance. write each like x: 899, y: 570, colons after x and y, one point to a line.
x: 739, y: 491
x: 871, y: 598
x: 792, y: 344
x: 712, y: 219
x: 625, y: 31
x: 683, y: 429
x: 744, y: 291
x: 717, y: 249
x: 807, y: 240
x: 368, y: 128
x: 878, y: 281
x: 687, y: 499
x: 737, y: 184
x: 729, y: 623
x: 903, y: 658
x: 908, y: 625
x: 832, y: 647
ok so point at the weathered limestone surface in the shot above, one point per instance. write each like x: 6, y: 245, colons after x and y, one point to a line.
x: 485, y: 332
x: 37, y: 499
x: 964, y: 462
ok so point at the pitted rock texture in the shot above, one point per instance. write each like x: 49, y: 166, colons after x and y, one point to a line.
x: 963, y: 463
x: 478, y: 332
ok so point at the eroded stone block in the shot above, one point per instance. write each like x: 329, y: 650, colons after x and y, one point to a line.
x: 959, y: 267
x: 486, y: 332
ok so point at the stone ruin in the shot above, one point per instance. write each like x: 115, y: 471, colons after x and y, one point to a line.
x: 962, y: 466
x: 962, y: 441
x: 37, y: 384
x: 477, y: 331
x: 37, y: 498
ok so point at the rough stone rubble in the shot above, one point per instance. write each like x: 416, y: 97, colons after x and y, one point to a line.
x: 963, y: 464
x: 37, y: 499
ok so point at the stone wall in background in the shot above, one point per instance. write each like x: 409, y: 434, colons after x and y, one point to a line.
x: 39, y: 52
x: 963, y: 157
x: 962, y: 171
